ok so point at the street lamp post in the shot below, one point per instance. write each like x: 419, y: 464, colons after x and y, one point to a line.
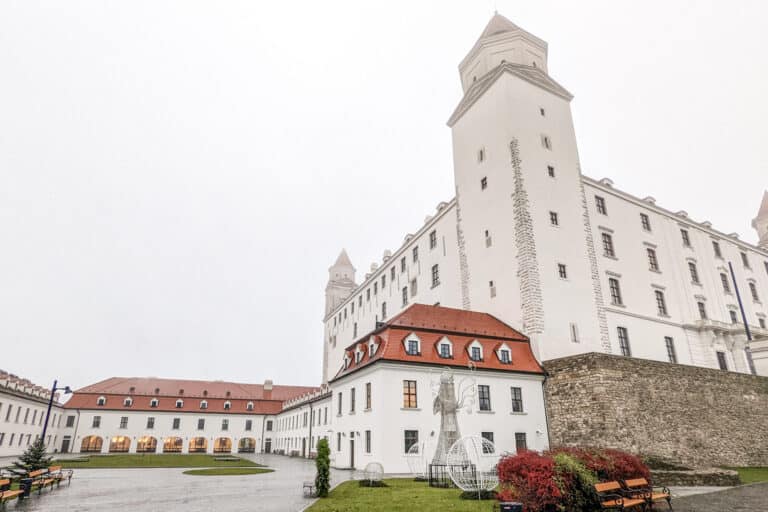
x: 54, y: 389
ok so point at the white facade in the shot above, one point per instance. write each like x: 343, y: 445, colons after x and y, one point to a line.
x: 524, y: 239
x: 23, y: 407
x: 376, y: 433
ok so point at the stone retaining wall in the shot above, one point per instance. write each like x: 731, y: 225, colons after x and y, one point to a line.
x: 694, y: 416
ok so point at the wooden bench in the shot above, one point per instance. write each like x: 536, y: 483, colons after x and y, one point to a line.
x: 610, y: 496
x: 6, y: 494
x: 639, y: 487
x: 41, y: 479
x: 58, y: 474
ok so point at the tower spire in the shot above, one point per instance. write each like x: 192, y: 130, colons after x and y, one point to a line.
x: 760, y: 223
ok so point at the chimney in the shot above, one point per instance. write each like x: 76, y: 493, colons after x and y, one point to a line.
x: 268, y: 385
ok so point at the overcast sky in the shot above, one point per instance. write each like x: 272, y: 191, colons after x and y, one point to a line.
x: 176, y: 177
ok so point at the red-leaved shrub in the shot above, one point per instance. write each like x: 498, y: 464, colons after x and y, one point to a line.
x: 606, y: 463
x: 529, y: 478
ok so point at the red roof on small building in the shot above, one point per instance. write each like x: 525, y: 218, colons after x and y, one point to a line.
x: 461, y: 327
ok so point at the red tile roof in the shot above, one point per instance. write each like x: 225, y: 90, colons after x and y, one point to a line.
x: 191, y: 392
x: 461, y: 327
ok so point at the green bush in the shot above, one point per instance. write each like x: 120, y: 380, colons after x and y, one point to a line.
x: 577, y: 482
x: 323, y: 465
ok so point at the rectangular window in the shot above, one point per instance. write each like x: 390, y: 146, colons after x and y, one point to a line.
x: 150, y: 422
x: 608, y: 245
x: 435, y: 275
x: 415, y: 253
x: 8, y: 412
x: 225, y: 424
x: 402, y: 264
x: 661, y: 303
x: 412, y: 347
x: 484, y: 396
x: 492, y: 289
x: 411, y: 438
x: 383, y: 282
x: 734, y: 316
x: 383, y: 310
x: 753, y: 291
x: 368, y: 295
x: 405, y: 295
x: 600, y: 205
x: 517, y: 399
x: 550, y: 171
x: 553, y: 219
x: 375, y: 288
x: 176, y: 424
x: 487, y: 449
x: 70, y: 421
x: 392, y: 274
x: 653, y: 262
x: 504, y: 356
x: 694, y: 273
x: 702, y: 310
x: 546, y: 142
x: 480, y: 155
x: 475, y: 354
x: 645, y: 221
x: 352, y: 400
x: 761, y: 321
x: 685, y: 237
x: 338, y: 441
x: 745, y: 260
x: 562, y: 271
x: 670, y: 344
x: 367, y: 441
x: 409, y: 394
x: 613, y: 284
x: 432, y: 239
x: 124, y: 422
x: 249, y: 425
x: 488, y: 239
x: 96, y: 422
x: 483, y: 183
x: 201, y: 424
x: 726, y: 282
x: 414, y: 287
x: 520, y: 442
x: 624, y: 341
x: 368, y: 396
x: 354, y: 330
x: 574, y: 333
x: 338, y: 412
x: 2, y: 437
x: 445, y: 350
x: 721, y: 360
x: 716, y: 248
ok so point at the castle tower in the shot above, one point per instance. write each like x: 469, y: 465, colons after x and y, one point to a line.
x: 516, y: 168
x: 760, y: 223
x: 341, y: 282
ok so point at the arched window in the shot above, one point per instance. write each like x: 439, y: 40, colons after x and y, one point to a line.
x: 203, y: 404
x: 128, y: 402
x: 101, y: 400
x: 179, y: 404
x: 249, y: 406
x: 154, y: 402
x: 227, y: 405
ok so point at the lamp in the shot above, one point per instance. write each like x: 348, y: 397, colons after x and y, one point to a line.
x: 54, y: 389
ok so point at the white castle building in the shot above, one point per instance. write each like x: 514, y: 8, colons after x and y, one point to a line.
x: 575, y: 263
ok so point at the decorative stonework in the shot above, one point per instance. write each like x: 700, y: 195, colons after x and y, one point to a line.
x: 696, y: 417
x: 531, y: 300
x: 463, y: 265
x: 594, y: 271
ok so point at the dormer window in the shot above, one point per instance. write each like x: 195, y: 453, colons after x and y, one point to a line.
x: 249, y: 406
x: 227, y: 405
x: 358, y: 355
x: 101, y: 401
x: 179, y: 404
x: 504, y: 356
x: 346, y: 361
x: 203, y: 404
x: 445, y: 348
x: 128, y: 402
x: 475, y: 351
x: 412, y: 345
x: 154, y: 402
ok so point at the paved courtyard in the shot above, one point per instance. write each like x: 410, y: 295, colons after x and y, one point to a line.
x: 169, y: 490
x: 752, y: 497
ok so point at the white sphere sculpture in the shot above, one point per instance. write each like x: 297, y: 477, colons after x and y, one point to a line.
x: 418, y: 457
x: 373, y: 472
x: 472, y: 463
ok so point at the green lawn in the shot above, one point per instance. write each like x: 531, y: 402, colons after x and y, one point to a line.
x: 400, y: 495
x: 227, y: 471
x: 752, y: 475
x: 151, y: 460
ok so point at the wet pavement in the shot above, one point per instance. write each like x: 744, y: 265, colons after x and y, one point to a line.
x: 753, y: 497
x: 169, y: 490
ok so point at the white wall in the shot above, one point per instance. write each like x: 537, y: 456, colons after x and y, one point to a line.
x: 21, y: 422
x: 387, y: 420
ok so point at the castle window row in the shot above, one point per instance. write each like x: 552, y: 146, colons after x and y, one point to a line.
x: 154, y: 403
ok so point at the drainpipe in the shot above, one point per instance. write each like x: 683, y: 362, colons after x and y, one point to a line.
x: 263, y: 423
x: 310, y: 429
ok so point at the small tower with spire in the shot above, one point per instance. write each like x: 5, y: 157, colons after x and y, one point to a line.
x: 341, y: 282
x: 760, y: 223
